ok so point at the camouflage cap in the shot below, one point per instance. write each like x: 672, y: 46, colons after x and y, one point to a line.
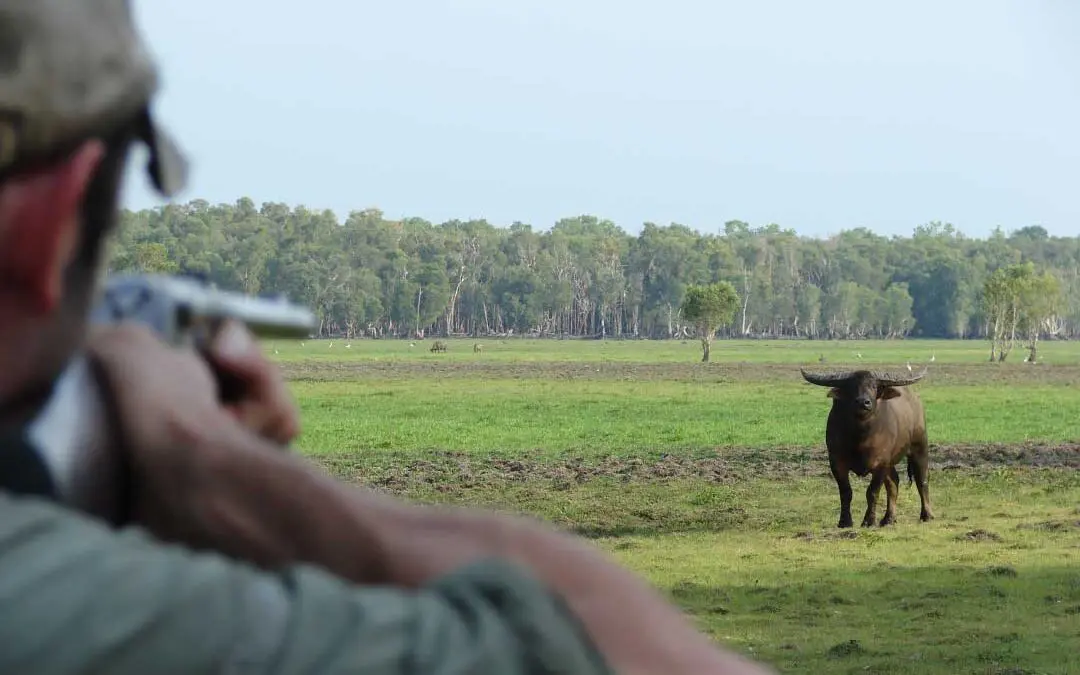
x: 76, y: 69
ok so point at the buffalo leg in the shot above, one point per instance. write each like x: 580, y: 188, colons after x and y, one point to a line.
x: 892, y: 483
x: 920, y: 457
x: 843, y: 484
x: 876, y: 479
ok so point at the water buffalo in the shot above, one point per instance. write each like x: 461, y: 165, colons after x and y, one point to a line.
x: 875, y: 420
x: 439, y: 346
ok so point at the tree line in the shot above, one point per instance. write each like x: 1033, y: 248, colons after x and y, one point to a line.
x: 586, y: 277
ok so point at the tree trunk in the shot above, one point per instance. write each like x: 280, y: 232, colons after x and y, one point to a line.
x: 706, y: 348
x: 419, y: 295
x: 451, y: 305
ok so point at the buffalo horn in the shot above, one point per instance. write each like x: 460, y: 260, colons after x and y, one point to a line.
x: 823, y: 380
x: 889, y: 380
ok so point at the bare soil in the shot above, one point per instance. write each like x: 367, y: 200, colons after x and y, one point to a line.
x: 463, y: 470
x: 718, y: 372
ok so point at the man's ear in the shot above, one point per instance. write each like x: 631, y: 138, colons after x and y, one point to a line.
x: 888, y: 392
x: 40, y: 224
x: 834, y: 393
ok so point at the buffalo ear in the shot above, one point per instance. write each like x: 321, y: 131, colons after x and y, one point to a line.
x: 888, y: 392
x: 834, y: 393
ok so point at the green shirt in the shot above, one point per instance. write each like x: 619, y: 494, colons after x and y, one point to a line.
x: 77, y: 597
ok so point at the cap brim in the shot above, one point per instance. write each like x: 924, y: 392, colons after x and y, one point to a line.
x: 168, y: 168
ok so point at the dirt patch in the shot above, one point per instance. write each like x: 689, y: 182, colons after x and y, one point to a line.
x: 1050, y: 526
x: 1032, y: 454
x: 979, y: 535
x: 444, y: 471
x: 845, y: 650
x: 717, y: 372
x: 843, y: 534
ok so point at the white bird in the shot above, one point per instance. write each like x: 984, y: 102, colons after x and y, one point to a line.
x: 909, y: 366
x: 331, y: 346
x: 933, y: 357
x: 348, y: 346
x: 858, y: 355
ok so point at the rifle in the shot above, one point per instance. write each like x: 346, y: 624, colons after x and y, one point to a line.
x: 186, y: 311
x: 74, y: 432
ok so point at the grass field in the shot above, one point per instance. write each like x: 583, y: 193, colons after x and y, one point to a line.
x: 711, y: 480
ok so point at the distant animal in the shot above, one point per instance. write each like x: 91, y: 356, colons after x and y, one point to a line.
x: 875, y: 420
x: 438, y: 346
x: 477, y: 348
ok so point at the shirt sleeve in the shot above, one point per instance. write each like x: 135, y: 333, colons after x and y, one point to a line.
x: 77, y: 597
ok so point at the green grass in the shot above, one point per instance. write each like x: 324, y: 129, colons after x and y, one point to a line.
x: 711, y: 481
x: 549, y: 418
x: 895, y: 352
x: 991, y: 584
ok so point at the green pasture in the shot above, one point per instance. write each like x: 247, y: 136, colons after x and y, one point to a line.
x: 545, y: 418
x: 593, y: 398
x: 710, y: 480
x: 991, y: 586
x: 808, y: 352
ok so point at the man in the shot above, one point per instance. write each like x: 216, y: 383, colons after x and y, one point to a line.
x: 236, y: 557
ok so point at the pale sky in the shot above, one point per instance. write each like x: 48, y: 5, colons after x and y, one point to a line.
x: 818, y: 116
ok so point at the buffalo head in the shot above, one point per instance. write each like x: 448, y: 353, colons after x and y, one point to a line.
x: 860, y: 390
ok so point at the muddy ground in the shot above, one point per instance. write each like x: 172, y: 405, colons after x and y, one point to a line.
x: 462, y: 470
x: 727, y: 465
x: 983, y: 374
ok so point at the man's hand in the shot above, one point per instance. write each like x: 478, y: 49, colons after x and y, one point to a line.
x: 166, y: 406
x: 265, y: 406
x: 143, y: 371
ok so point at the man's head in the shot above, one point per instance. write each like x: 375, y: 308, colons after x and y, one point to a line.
x: 75, y: 90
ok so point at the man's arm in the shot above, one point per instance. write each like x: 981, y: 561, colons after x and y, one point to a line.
x: 270, y: 507
x: 79, y: 598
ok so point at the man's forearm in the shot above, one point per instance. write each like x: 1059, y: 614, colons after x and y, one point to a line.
x: 632, y: 624
x: 298, y: 514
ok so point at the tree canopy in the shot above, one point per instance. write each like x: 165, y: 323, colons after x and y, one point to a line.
x: 709, y: 308
x: 370, y: 275
x: 1018, y: 302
